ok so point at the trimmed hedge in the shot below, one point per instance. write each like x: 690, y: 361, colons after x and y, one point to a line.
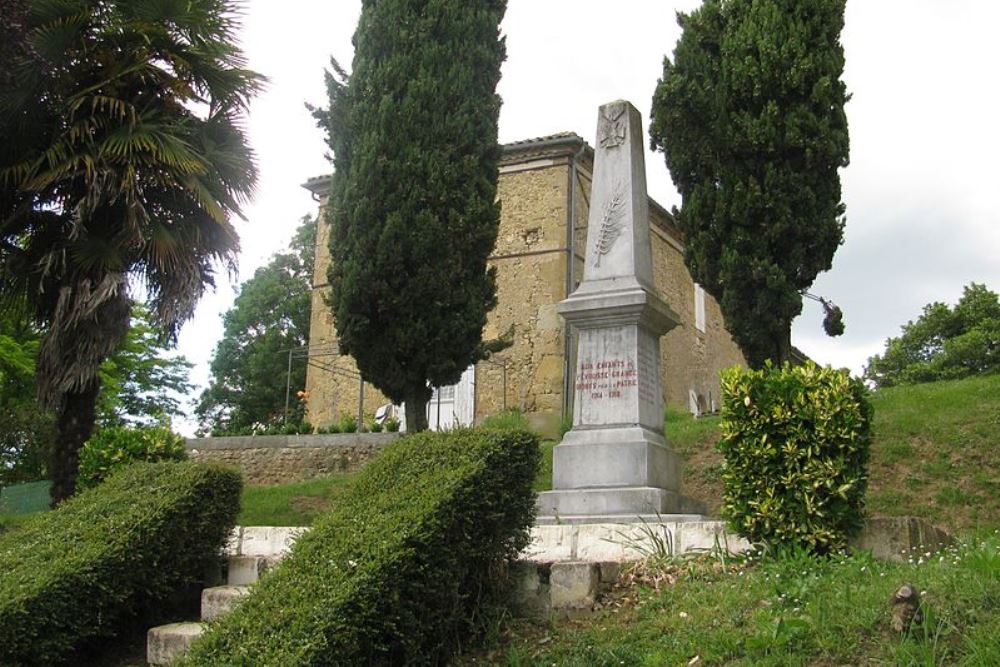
x: 796, y: 444
x: 404, y: 570
x: 78, y: 572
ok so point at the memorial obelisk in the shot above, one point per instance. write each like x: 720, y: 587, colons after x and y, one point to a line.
x: 615, y: 462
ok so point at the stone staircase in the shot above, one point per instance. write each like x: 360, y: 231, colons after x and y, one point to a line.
x: 250, y: 553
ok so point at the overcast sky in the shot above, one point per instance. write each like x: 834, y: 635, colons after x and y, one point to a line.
x: 923, y: 203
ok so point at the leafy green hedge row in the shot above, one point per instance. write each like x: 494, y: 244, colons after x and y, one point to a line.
x: 76, y: 572
x: 403, y: 570
x: 796, y: 444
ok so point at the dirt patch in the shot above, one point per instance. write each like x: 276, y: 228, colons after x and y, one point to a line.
x: 310, y: 504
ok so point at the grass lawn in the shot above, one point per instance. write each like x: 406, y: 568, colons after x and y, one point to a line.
x: 11, y: 521
x: 296, y: 504
x: 790, y: 611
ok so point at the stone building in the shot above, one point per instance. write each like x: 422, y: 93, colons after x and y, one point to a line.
x: 544, y: 189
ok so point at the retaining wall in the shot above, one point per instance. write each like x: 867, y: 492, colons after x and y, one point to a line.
x: 278, y: 459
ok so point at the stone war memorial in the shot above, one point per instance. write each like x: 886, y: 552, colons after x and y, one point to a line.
x: 615, y: 461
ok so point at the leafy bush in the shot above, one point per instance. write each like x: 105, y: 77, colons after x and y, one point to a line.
x: 512, y: 418
x: 373, y: 426
x: 403, y: 569
x: 796, y: 443
x: 392, y: 425
x: 348, y: 423
x: 305, y: 428
x: 110, y: 553
x: 113, y: 447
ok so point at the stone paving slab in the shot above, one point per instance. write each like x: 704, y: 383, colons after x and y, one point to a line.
x: 623, y: 538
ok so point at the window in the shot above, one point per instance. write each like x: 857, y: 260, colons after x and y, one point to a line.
x: 699, y: 307
x: 444, y: 393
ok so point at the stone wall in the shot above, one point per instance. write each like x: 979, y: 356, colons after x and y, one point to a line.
x: 691, y: 359
x: 530, y: 258
x: 278, y: 459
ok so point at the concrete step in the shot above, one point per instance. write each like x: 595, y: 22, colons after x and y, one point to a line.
x: 246, y: 570
x: 219, y: 600
x: 166, y: 643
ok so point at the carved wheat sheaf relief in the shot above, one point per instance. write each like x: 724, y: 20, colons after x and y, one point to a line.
x: 611, y: 223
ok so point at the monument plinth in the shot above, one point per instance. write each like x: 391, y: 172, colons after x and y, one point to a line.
x: 615, y: 461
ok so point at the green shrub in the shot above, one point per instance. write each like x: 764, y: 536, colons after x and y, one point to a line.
x: 348, y: 423
x: 305, y: 428
x: 373, y: 426
x: 392, y: 425
x: 405, y: 568
x: 113, y: 447
x: 512, y: 418
x: 796, y: 443
x: 108, y: 555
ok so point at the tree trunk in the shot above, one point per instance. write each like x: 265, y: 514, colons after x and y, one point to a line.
x: 782, y: 347
x: 416, y: 411
x: 76, y: 423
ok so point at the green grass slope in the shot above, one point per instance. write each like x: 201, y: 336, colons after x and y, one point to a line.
x: 785, y: 612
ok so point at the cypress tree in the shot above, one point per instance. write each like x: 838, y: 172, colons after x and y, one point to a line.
x: 750, y: 115
x: 413, y: 208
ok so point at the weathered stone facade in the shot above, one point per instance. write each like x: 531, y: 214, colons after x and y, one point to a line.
x: 278, y: 459
x: 544, y: 189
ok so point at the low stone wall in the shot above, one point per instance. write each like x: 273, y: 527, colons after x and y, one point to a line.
x: 277, y: 459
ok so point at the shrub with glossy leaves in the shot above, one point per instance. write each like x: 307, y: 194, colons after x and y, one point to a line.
x: 80, y: 571
x: 113, y: 447
x: 404, y: 569
x: 796, y: 445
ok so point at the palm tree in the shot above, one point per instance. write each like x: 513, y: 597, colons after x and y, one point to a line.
x: 123, y: 163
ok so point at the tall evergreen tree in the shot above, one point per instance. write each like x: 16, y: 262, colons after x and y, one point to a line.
x: 750, y: 115
x: 413, y: 203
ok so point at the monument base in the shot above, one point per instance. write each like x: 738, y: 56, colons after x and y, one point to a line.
x: 602, y: 505
x: 614, y: 456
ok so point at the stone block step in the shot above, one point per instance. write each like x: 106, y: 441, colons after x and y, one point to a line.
x: 246, y: 570
x: 565, y: 587
x: 167, y: 643
x: 219, y: 600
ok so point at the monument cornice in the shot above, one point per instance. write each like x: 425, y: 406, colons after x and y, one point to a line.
x: 635, y: 305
